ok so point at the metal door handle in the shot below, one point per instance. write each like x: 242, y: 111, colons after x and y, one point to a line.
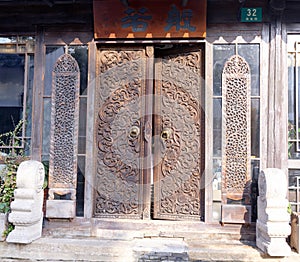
x: 165, y: 134
x: 134, y: 132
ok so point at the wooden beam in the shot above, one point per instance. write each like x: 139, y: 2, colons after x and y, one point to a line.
x: 125, y: 2
x: 184, y: 2
x: 278, y: 5
x: 49, y: 2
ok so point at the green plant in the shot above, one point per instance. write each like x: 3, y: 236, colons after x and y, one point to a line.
x: 9, y: 183
x: 13, y: 155
x: 10, y: 228
x: 289, y: 208
x: 46, y: 167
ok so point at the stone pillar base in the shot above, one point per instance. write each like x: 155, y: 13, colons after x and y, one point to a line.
x: 61, y: 209
x: 26, y: 234
x: 276, y: 247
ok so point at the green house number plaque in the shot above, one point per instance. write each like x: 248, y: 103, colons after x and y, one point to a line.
x: 250, y: 14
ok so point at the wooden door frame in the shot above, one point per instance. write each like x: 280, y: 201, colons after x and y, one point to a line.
x: 231, y: 34
x: 90, y: 168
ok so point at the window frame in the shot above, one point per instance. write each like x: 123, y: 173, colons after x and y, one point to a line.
x: 21, y: 45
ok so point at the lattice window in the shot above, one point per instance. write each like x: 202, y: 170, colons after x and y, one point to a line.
x: 294, y: 120
x: 293, y: 96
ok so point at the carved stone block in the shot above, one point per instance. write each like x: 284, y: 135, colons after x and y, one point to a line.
x: 26, y: 210
x: 272, y: 226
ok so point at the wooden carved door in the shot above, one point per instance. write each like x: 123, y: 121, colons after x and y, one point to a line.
x: 120, y: 87
x: 179, y: 125
x: 134, y: 84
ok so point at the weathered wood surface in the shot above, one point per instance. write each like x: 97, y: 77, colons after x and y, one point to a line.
x: 25, y: 17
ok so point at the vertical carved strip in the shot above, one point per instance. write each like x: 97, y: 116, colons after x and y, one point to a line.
x: 64, y: 135
x: 236, y: 133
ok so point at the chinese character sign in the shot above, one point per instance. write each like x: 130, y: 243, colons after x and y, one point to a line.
x: 181, y: 20
x: 149, y: 19
x: 136, y: 19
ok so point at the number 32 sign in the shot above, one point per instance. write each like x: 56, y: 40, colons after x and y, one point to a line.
x: 249, y: 14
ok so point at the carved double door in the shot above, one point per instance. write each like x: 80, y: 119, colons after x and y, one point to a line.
x: 149, y: 132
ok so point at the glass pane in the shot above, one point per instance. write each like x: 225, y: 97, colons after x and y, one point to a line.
x: 221, y: 53
x: 217, y: 127
x: 293, y: 174
x: 294, y: 189
x: 8, y: 40
x: 52, y: 54
x: 46, y: 126
x: 255, y: 168
x: 11, y: 90
x: 291, y: 89
x: 82, y: 126
x: 255, y: 127
x: 80, y: 186
x: 80, y: 53
x: 82, y: 116
x: 28, y: 116
x: 217, y: 180
x: 250, y: 52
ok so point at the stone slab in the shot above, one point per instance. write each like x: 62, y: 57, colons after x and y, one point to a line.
x: 61, y: 209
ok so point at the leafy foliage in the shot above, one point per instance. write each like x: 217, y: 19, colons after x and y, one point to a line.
x: 13, y: 156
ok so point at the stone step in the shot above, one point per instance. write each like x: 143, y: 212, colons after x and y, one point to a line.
x: 122, y: 230
x: 139, y: 241
x: 62, y: 249
x: 137, y: 250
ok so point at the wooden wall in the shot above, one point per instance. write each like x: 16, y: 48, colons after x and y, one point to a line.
x: 24, y: 18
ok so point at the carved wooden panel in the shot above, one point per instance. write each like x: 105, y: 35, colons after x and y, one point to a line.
x: 236, y: 134
x: 119, y: 124
x: 236, y: 127
x: 179, y: 127
x: 64, y: 126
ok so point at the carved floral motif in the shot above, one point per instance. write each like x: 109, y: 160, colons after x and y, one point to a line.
x: 64, y: 123
x: 236, y: 127
x: 118, y: 179
x: 179, y: 172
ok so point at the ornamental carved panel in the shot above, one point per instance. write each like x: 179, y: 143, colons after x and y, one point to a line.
x: 64, y: 126
x: 236, y: 130
x: 179, y: 129
x: 119, y: 123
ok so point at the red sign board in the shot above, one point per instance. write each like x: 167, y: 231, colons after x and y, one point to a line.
x: 149, y: 19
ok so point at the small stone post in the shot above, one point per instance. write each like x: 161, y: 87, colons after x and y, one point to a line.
x: 272, y: 226
x: 26, y: 210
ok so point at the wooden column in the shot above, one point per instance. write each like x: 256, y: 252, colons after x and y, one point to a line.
x: 277, y: 98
